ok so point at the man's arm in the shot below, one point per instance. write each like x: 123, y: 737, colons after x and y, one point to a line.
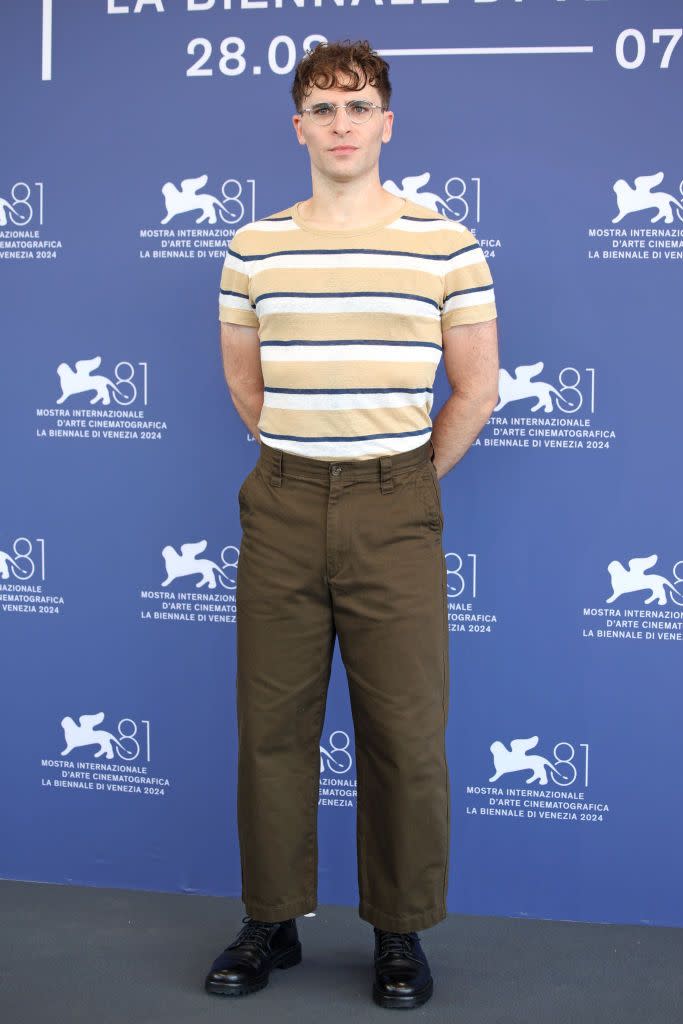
x: 470, y: 354
x: 242, y: 367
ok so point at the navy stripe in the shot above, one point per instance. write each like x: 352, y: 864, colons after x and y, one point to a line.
x: 468, y: 291
x: 240, y: 295
x: 438, y: 218
x: 372, y: 252
x: 348, y: 391
x: 340, y: 295
x: 428, y: 220
x: 362, y: 437
x: 343, y: 341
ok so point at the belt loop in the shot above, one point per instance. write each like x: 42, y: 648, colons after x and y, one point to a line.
x: 276, y: 475
x: 386, y: 482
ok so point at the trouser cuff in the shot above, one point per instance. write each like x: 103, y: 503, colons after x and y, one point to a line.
x: 399, y: 922
x: 280, y: 912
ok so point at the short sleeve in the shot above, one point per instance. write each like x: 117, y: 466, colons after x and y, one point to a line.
x: 234, y: 305
x: 468, y: 296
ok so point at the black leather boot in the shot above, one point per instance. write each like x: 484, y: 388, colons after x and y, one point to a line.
x: 245, y: 964
x: 402, y: 975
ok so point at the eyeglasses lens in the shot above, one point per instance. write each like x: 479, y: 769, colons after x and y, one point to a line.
x: 359, y: 112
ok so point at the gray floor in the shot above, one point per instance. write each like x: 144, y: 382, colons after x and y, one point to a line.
x: 75, y: 954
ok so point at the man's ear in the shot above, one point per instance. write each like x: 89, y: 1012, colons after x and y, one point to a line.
x: 296, y: 121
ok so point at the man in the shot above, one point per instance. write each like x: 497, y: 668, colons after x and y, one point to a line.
x: 335, y: 313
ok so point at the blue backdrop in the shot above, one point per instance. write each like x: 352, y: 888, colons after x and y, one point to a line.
x: 551, y: 129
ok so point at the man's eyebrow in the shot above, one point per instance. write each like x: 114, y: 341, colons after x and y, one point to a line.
x: 366, y: 99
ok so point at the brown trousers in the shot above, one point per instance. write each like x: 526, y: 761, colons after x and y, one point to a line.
x: 349, y: 549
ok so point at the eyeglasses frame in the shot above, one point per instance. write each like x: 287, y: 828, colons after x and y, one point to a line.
x: 307, y: 110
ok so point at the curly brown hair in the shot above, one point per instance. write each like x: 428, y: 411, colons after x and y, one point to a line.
x: 326, y: 63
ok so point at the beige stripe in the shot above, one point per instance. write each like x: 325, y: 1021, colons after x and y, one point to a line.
x: 343, y: 423
x: 468, y: 315
x: 349, y: 375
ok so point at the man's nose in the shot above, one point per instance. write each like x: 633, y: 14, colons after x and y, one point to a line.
x: 342, y: 117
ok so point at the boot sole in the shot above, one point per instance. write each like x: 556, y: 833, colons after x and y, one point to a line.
x: 403, y: 1002
x: 288, y: 958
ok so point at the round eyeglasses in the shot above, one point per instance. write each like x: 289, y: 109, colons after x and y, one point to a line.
x: 359, y: 111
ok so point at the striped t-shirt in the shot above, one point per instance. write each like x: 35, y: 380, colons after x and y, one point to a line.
x: 350, y: 324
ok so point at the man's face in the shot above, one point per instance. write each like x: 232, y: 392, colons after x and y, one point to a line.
x: 365, y: 140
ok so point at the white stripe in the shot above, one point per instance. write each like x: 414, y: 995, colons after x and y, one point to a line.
x: 464, y: 259
x: 479, y: 298
x: 356, y: 261
x: 400, y: 224
x: 269, y: 227
x: 420, y: 226
x: 330, y: 403
x: 232, y: 262
x: 455, y: 50
x: 46, y: 53
x: 343, y: 450
x: 325, y: 304
x: 235, y: 302
x: 349, y: 353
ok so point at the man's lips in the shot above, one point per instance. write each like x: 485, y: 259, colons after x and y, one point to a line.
x: 343, y: 149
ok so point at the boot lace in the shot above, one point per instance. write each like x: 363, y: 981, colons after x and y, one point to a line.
x: 254, y: 933
x: 395, y: 943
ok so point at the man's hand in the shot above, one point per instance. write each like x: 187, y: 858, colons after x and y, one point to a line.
x: 470, y: 354
x: 240, y: 348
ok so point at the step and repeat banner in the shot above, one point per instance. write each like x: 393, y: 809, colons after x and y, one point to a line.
x: 138, y: 135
